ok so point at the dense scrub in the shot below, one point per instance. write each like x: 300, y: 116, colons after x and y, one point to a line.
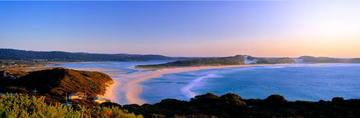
x: 24, y: 106
x: 275, y: 61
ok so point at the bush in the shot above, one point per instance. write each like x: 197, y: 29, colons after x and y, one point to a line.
x: 275, y: 99
x: 25, y: 106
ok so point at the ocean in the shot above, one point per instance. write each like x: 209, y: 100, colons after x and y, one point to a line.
x: 310, y: 82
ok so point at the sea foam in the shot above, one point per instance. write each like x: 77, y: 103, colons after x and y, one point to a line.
x: 196, y: 83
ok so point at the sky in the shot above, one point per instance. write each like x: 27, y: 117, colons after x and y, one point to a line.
x: 184, y: 28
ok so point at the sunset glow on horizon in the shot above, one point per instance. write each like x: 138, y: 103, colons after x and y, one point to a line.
x: 185, y: 29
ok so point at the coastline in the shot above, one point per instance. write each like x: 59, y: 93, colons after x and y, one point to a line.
x: 126, y: 88
x: 134, y: 89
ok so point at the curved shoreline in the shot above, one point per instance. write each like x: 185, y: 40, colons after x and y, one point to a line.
x: 134, y: 89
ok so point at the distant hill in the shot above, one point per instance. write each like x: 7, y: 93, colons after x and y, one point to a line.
x: 258, y: 60
x: 13, y: 54
x: 328, y: 60
x: 246, y: 59
x: 234, y: 60
x: 55, y: 82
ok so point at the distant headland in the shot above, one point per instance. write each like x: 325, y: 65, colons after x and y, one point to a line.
x: 245, y: 59
x: 10, y: 58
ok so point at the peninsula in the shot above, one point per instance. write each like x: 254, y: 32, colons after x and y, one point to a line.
x: 245, y: 59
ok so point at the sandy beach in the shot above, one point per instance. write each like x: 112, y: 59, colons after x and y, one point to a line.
x: 111, y: 91
x: 133, y: 89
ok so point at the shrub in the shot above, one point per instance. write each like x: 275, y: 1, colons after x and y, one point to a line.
x: 25, y: 106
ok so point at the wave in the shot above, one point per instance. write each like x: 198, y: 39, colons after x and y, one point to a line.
x: 195, y: 83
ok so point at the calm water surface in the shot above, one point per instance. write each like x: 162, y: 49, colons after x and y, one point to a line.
x: 294, y: 82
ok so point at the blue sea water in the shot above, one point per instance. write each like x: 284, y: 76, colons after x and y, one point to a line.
x: 294, y: 82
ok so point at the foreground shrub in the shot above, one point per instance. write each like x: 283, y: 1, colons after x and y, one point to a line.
x: 24, y: 106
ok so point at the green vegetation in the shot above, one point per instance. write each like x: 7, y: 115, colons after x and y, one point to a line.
x: 12, y: 54
x: 328, y: 60
x: 275, y: 61
x: 208, y: 105
x: 235, y: 60
x: 24, y: 106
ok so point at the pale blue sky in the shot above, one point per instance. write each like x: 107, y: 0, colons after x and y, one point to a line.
x: 259, y: 28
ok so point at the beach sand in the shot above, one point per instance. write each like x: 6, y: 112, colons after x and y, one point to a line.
x: 111, y: 91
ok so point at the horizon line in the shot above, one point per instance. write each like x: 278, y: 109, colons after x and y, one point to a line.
x: 175, y: 56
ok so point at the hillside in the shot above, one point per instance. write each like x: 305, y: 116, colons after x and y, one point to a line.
x: 245, y: 59
x: 13, y: 54
x: 328, y: 60
x: 57, y: 82
x: 234, y: 60
x: 258, y: 60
